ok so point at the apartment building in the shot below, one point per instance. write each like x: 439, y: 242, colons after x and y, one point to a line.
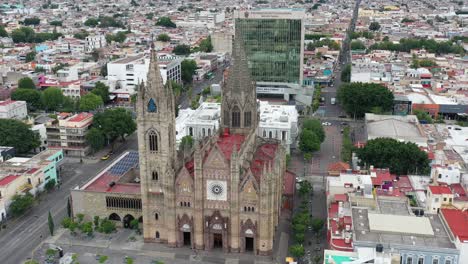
x: 68, y: 133
x: 95, y: 42
x: 13, y: 109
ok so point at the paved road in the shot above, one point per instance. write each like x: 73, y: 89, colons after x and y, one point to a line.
x: 24, y: 234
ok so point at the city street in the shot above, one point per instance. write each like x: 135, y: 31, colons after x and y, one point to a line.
x: 24, y: 234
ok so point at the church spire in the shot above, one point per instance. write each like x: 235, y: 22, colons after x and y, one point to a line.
x: 239, y: 105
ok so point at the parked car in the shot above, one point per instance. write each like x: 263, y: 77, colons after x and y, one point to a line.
x: 105, y: 157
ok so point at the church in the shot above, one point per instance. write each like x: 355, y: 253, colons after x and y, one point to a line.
x: 227, y: 191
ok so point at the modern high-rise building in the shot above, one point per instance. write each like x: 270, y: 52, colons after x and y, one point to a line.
x: 274, y: 44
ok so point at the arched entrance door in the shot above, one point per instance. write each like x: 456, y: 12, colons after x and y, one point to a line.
x: 115, y: 217
x: 127, y: 219
x: 216, y: 236
x: 248, y: 236
x: 185, y: 231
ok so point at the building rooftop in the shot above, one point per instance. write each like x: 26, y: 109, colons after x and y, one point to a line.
x: 80, y: 117
x: 399, y: 231
x: 457, y: 221
x: 119, y: 177
x: 440, y: 189
x: 129, y: 59
x: 7, y: 179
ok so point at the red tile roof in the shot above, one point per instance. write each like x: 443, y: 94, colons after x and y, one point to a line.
x: 460, y: 191
x: 440, y: 190
x: 80, y: 117
x: 382, y: 176
x: 341, y: 197
x: 7, y: 102
x: 226, y: 143
x: 338, y: 166
x: 6, y: 180
x: 457, y: 221
x: 264, y: 154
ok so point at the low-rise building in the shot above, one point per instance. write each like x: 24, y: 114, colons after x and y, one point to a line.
x: 438, y: 197
x: 95, y: 42
x: 23, y: 175
x: 11, y: 109
x: 68, y: 133
x: 456, y: 221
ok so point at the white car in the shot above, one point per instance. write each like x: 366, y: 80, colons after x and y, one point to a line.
x: 326, y: 124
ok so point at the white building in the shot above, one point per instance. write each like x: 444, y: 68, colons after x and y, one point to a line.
x: 13, y: 109
x: 73, y: 90
x: 437, y: 197
x: 276, y: 121
x: 125, y: 74
x: 449, y: 175
x: 95, y: 42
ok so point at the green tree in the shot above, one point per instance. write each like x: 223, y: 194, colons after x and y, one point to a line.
x: 50, y: 222
x: 346, y: 73
x: 106, y: 226
x: 30, y: 56
x: 309, y: 141
x: 91, y: 22
x: 87, y: 228
x: 34, y: 21
x: 186, y: 142
x: 357, y: 45
x: 23, y: 34
x: 402, y: 158
x: 81, y: 34
x: 134, y: 224
x: 206, y: 45
x: 347, y: 146
x: 188, y: 70
x: 315, y: 126
x: 50, y: 184
x: 115, y: 123
x: 21, y: 203
x: 163, y: 37
x: 360, y: 98
x: 19, y: 135
x: 149, y: 16
x: 32, y: 97
x: 317, y: 224
x: 3, y: 32
x: 56, y: 23
x: 26, y: 83
x: 305, y: 189
x: 102, y: 90
x: 96, y: 221
x: 374, y: 26
x: 53, y: 98
x: 181, y: 49
x: 166, y: 22
x: 423, y: 116
x: 297, y: 250
x: 90, y: 102
x: 96, y: 139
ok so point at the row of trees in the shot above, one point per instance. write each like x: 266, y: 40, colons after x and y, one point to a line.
x: 347, y: 146
x: 78, y: 224
x: 362, y: 34
x: 165, y: 22
x: 28, y: 35
x: 104, y: 22
x: 331, y: 44
x: 406, y: 45
x: 358, y: 99
x: 316, y: 98
x: 52, y: 99
x: 402, y: 158
x: 184, y: 50
x: 311, y: 137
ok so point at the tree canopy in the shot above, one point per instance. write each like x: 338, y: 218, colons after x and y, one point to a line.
x: 53, y: 98
x: 374, y: 26
x: 3, y: 32
x: 102, y: 90
x: 17, y: 134
x: 115, y: 123
x: 402, y: 158
x: 21, y: 203
x: 27, y: 35
x: 165, y: 22
x: 56, y: 23
x: 91, y: 22
x: 407, y: 44
x: 205, y: 45
x: 31, y: 96
x: 90, y: 102
x: 26, y: 83
x: 358, y: 99
x: 163, y: 37
x: 188, y: 70
x: 423, y: 116
x: 357, y: 45
x: 181, y: 49
x: 33, y: 21
x: 96, y: 139
x: 312, y: 135
x: 346, y: 73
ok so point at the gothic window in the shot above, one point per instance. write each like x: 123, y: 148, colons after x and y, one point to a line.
x: 157, y: 235
x: 247, y: 119
x: 153, y: 141
x: 155, y: 176
x: 235, y: 117
x: 283, y: 135
x: 156, y: 216
x: 270, y: 134
x: 181, y: 204
x: 190, y: 129
x: 226, y: 118
x: 152, y: 106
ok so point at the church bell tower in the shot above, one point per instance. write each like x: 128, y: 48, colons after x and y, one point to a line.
x: 157, y: 155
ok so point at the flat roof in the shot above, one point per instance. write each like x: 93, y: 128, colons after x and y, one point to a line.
x: 400, y: 224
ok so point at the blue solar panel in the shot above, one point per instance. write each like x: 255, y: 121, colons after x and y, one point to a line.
x: 125, y: 164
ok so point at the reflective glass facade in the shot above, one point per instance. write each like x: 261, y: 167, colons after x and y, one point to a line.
x: 273, y: 48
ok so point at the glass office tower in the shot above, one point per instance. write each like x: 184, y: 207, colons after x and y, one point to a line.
x: 273, y: 40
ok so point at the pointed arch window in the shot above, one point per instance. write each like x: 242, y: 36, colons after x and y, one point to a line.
x: 236, y: 117
x: 153, y: 141
x: 152, y: 106
x: 247, y: 119
x: 155, y: 176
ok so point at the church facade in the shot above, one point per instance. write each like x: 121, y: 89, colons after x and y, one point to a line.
x: 225, y: 192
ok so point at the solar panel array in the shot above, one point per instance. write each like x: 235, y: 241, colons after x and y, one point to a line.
x: 125, y: 164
